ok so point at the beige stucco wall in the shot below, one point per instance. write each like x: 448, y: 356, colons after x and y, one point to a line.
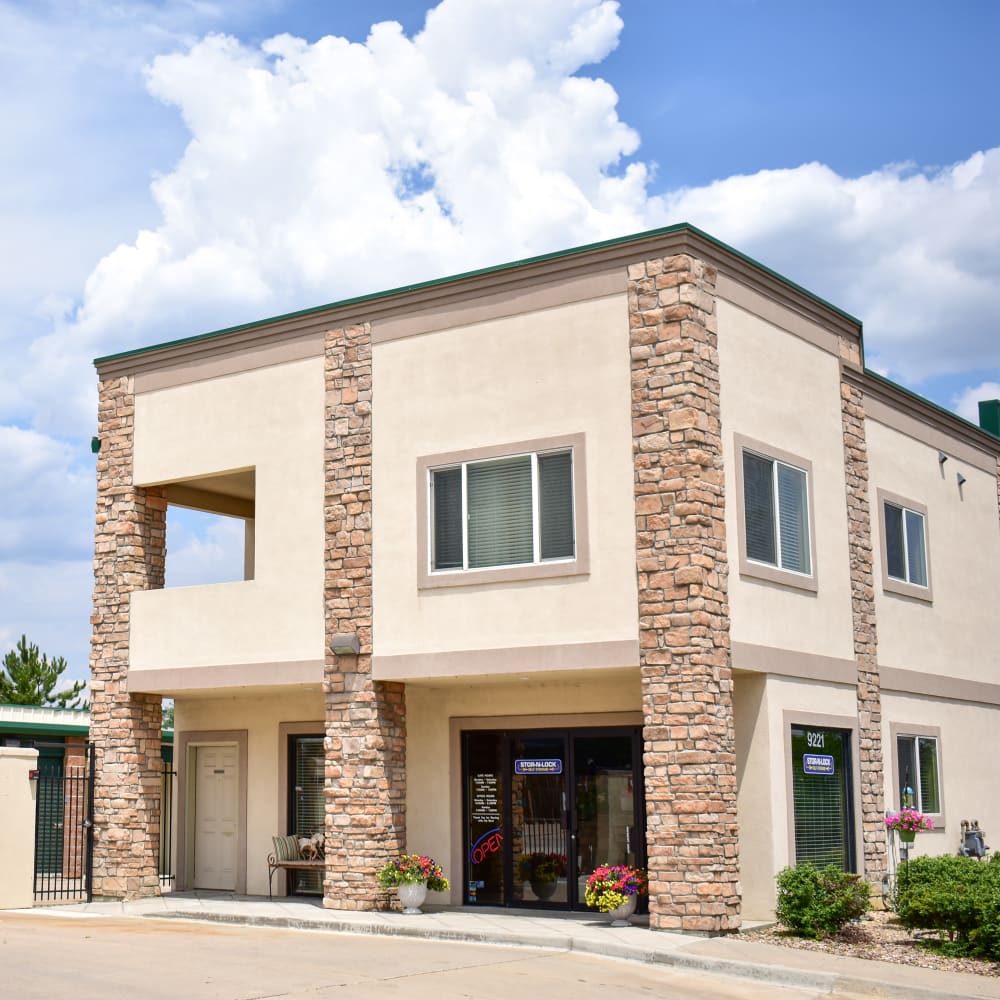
x: 764, y: 804
x: 270, y: 419
x: 967, y: 771
x: 956, y: 636
x: 17, y: 829
x: 266, y: 756
x: 554, y: 372
x: 783, y: 391
x: 754, y: 780
x: 433, y: 761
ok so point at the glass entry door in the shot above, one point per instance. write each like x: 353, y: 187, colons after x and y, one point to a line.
x: 307, y: 768
x: 821, y: 796
x: 544, y: 808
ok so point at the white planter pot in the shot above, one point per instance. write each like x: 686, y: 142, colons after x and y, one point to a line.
x: 620, y: 914
x: 412, y: 896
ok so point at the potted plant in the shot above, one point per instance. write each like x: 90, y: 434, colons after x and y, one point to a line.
x: 908, y: 823
x: 615, y: 889
x: 411, y: 875
x: 542, y: 869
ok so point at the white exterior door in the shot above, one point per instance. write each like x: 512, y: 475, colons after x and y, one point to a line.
x: 215, y: 817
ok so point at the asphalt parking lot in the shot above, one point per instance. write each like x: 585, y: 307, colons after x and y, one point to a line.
x: 44, y: 956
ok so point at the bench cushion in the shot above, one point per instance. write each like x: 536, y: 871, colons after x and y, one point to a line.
x: 286, y: 849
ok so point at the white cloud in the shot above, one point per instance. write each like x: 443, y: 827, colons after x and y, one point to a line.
x: 966, y: 403
x: 203, y: 548
x: 914, y: 254
x: 46, y: 495
x: 316, y: 171
x: 50, y: 604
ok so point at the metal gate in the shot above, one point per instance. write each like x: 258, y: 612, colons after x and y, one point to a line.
x: 64, y: 823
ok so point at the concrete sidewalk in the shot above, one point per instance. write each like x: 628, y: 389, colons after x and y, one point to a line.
x: 584, y: 933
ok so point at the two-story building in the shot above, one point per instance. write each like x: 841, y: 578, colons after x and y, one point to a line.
x: 618, y: 554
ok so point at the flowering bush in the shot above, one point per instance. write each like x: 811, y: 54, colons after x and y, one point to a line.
x: 412, y: 869
x: 541, y: 867
x: 611, y: 885
x: 909, y: 821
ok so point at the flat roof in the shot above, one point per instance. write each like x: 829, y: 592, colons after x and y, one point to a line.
x: 619, y: 241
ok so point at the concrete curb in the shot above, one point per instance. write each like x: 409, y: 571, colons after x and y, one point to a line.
x: 778, y: 975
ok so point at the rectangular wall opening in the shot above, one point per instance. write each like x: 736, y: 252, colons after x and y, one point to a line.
x: 210, y: 529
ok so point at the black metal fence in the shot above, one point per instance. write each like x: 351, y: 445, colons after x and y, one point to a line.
x: 64, y: 823
x: 166, y: 824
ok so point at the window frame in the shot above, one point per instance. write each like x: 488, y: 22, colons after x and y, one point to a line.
x: 892, y: 584
x: 905, y: 730
x: 768, y: 571
x: 428, y: 578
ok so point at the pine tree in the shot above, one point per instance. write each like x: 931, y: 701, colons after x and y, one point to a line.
x: 29, y: 679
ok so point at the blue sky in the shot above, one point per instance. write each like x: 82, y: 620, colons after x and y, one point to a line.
x: 169, y: 169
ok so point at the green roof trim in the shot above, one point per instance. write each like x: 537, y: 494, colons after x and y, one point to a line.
x: 923, y: 399
x: 43, y: 729
x: 479, y: 272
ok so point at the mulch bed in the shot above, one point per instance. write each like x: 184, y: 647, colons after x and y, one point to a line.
x: 881, y: 938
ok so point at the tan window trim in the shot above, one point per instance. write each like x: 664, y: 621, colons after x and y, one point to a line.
x: 579, y: 566
x: 897, y: 729
x: 764, y: 571
x: 890, y: 585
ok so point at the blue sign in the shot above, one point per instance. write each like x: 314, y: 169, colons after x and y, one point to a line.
x: 542, y: 766
x: 817, y: 763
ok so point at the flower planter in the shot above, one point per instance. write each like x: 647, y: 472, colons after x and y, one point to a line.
x: 544, y: 890
x: 412, y: 896
x: 620, y: 914
x: 907, y: 836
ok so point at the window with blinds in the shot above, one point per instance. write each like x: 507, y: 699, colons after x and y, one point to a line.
x: 510, y: 511
x: 824, y: 821
x: 905, y: 545
x: 776, y: 513
x: 919, y: 778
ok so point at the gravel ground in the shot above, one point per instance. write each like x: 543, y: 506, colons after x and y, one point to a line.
x: 880, y: 938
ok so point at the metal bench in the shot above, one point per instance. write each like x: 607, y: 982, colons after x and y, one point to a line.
x: 286, y: 855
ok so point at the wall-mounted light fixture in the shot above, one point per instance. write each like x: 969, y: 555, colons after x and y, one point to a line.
x: 95, y: 444
x: 346, y: 644
x: 942, y: 458
x: 961, y: 480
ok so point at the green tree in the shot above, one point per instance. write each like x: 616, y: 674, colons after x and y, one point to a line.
x: 30, y: 679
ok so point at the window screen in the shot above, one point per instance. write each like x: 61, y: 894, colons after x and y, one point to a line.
x: 776, y: 518
x: 447, y: 488
x: 759, y: 501
x: 905, y: 545
x: 555, y: 487
x: 919, y: 779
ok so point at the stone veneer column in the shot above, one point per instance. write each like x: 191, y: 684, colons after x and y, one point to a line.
x: 365, y: 720
x: 129, y: 551
x: 869, y: 690
x: 690, y: 756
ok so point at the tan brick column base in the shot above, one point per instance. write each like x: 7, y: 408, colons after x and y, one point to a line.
x: 365, y: 720
x: 690, y: 758
x: 869, y: 689
x: 129, y: 551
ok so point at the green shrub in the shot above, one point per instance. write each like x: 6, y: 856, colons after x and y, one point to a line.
x: 814, y: 902
x: 958, y: 897
x: 940, y: 894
